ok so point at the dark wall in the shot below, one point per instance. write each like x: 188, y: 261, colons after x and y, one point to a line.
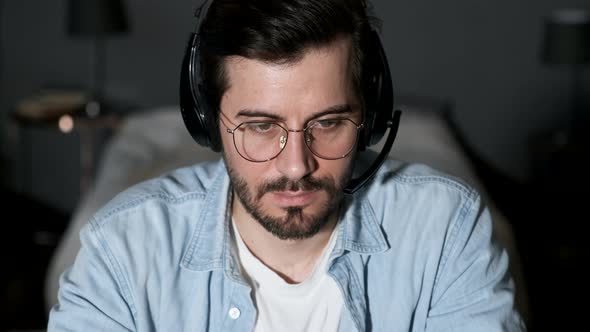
x: 482, y: 54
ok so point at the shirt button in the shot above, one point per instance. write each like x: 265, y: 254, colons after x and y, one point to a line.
x: 234, y: 313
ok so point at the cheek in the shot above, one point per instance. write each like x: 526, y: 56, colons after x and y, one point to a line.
x: 232, y: 159
x: 340, y: 170
x: 251, y: 173
x: 227, y: 142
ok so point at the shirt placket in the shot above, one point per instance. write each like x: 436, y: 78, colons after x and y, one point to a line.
x: 354, y: 314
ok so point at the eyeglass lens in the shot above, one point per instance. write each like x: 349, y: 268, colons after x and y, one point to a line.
x: 327, y: 139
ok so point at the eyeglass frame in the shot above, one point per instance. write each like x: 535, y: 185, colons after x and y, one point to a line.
x: 309, y: 125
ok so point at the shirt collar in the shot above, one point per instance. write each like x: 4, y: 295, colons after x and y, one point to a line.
x: 210, y: 245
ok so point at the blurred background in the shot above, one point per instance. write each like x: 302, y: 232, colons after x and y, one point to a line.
x: 512, y: 77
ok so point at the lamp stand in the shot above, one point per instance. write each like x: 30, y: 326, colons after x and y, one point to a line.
x: 580, y: 119
x: 99, y: 70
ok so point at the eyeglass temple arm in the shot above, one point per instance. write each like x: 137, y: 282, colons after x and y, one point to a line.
x: 356, y: 184
x: 228, y: 120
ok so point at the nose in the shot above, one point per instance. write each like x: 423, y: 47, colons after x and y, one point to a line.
x: 296, y: 160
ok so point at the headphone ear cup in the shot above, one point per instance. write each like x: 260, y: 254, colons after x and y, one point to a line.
x: 196, y: 113
x: 378, y: 91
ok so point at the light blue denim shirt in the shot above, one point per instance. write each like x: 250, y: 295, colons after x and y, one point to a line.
x: 414, y: 252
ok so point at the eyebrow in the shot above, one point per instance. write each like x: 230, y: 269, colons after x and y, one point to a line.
x: 336, y: 109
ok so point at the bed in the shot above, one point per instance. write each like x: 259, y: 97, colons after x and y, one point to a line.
x: 137, y: 152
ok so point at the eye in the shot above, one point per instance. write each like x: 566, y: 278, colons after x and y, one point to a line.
x: 328, y: 123
x: 260, y: 127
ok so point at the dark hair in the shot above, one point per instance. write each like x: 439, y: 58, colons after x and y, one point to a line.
x: 277, y: 31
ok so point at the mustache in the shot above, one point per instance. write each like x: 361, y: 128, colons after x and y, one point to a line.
x: 304, y: 184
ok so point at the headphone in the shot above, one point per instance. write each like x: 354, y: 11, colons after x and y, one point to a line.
x: 377, y: 89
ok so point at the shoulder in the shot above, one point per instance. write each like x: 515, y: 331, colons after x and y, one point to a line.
x: 401, y: 180
x: 159, y: 214
x: 149, y: 229
x: 422, y: 204
x: 171, y: 190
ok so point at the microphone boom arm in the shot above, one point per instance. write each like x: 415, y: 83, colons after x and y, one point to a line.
x: 356, y: 184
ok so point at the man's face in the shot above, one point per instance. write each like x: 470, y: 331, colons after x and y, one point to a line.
x: 294, y: 194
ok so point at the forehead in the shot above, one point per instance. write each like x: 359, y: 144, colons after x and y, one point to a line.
x: 319, y: 79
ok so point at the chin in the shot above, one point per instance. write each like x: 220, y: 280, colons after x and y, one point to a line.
x: 296, y: 222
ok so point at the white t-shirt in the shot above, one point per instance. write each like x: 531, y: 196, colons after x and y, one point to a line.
x: 312, y: 305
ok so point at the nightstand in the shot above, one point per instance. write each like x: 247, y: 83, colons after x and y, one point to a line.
x: 91, y: 127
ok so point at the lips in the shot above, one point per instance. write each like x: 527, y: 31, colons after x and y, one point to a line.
x: 300, y: 198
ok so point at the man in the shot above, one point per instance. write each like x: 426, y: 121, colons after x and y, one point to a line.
x: 265, y: 239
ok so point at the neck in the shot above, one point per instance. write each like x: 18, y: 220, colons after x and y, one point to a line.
x: 293, y: 260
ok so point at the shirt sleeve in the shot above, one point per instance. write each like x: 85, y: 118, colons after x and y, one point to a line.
x: 473, y: 289
x: 93, y: 294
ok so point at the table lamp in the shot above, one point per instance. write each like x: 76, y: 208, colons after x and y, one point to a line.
x: 97, y: 19
x: 566, y: 41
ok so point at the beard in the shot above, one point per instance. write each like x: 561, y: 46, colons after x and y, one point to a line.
x: 295, y: 223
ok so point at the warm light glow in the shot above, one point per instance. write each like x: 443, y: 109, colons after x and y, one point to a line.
x: 66, y: 123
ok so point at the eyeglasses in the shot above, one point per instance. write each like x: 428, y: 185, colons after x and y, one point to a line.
x: 260, y: 141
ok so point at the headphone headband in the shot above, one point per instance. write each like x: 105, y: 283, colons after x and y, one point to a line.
x: 201, y: 13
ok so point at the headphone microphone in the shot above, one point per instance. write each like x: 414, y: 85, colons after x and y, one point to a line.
x: 199, y: 117
x: 357, y: 183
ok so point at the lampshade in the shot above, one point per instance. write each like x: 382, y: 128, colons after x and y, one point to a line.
x: 96, y: 17
x: 567, y: 37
